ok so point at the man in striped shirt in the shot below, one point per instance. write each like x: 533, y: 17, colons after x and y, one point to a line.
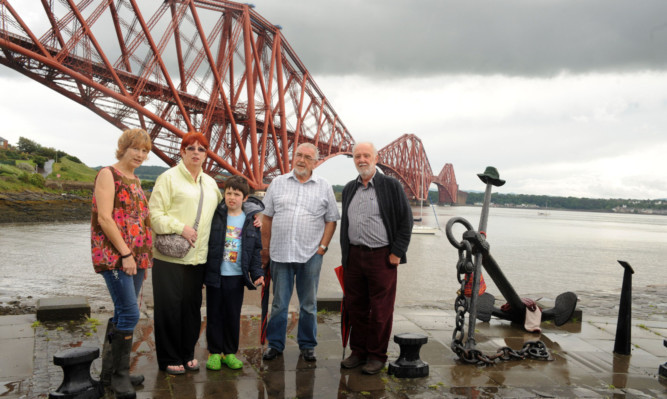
x: 375, y: 232
x: 299, y: 220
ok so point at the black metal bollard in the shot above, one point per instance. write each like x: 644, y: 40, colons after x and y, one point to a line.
x: 77, y: 382
x: 408, y: 364
x: 623, y: 326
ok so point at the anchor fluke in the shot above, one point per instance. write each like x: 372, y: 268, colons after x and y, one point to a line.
x: 563, y: 309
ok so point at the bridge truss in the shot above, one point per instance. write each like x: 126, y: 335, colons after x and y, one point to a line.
x: 180, y: 65
x: 174, y: 66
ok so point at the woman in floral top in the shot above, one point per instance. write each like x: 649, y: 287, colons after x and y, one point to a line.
x: 121, y: 244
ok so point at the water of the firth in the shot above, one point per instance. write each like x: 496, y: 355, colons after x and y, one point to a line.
x: 561, y: 251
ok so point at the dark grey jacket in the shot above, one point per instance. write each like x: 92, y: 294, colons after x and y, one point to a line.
x: 394, y: 209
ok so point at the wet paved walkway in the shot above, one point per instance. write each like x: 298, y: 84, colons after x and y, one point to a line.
x: 582, y: 364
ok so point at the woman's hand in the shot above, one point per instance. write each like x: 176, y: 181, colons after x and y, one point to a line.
x: 190, y: 234
x: 259, y: 281
x: 258, y: 221
x: 129, y: 266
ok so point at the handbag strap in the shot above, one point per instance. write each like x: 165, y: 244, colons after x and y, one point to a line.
x: 201, y: 201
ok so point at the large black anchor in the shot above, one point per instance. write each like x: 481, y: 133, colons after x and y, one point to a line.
x: 474, y: 245
x: 474, y: 242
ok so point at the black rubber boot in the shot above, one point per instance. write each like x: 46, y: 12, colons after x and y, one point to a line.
x: 107, y: 359
x: 121, y: 346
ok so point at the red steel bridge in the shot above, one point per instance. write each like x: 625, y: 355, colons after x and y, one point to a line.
x: 173, y: 66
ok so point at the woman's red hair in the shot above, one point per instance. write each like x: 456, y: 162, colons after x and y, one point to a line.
x: 194, y: 137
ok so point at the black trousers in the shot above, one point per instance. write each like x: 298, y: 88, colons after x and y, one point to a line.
x: 177, y: 296
x: 223, y: 315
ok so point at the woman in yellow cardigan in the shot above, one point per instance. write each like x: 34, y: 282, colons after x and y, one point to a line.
x: 177, y: 282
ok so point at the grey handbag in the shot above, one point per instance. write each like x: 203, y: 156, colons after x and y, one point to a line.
x: 175, y: 245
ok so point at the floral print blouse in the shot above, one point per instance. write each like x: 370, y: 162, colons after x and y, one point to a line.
x: 130, y: 211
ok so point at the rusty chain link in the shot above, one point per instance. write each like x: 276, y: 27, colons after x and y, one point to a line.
x: 464, y: 268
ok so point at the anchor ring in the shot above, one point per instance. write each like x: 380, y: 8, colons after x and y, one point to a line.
x: 450, y: 235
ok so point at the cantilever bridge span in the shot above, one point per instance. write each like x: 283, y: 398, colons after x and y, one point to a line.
x: 406, y: 160
x: 175, y: 66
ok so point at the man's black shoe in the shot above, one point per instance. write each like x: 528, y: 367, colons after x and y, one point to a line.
x: 271, y: 354
x: 308, y: 355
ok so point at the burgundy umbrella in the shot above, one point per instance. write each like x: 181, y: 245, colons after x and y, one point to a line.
x: 265, y: 304
x: 345, y: 326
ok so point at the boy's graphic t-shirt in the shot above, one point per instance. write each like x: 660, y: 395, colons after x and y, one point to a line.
x: 231, y: 260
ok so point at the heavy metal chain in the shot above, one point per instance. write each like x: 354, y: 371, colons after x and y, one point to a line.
x: 464, y: 269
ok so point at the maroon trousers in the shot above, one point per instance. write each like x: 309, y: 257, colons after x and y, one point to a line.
x: 370, y: 291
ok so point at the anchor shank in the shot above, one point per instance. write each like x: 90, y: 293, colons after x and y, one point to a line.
x: 477, y: 271
x: 503, y: 284
x: 484, y: 217
x: 490, y: 264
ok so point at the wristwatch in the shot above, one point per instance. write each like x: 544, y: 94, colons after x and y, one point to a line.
x: 324, y: 248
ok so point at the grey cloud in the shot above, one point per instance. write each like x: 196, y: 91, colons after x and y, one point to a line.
x: 510, y: 37
x: 384, y: 38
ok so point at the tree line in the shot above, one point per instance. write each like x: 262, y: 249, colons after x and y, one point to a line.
x: 570, y: 203
x: 551, y: 202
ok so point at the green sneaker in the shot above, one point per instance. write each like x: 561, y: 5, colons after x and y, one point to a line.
x: 232, y: 362
x: 213, y: 362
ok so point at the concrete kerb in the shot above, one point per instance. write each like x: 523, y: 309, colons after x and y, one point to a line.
x: 62, y: 308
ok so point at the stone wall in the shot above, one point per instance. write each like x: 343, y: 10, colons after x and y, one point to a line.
x: 26, y: 206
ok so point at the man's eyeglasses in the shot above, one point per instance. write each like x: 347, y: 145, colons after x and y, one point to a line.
x: 306, y: 157
x: 193, y: 148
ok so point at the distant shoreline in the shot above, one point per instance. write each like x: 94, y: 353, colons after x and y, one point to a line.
x: 41, y: 207
x: 541, y: 210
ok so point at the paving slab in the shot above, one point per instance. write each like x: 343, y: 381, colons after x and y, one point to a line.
x: 581, y: 363
x: 17, y: 348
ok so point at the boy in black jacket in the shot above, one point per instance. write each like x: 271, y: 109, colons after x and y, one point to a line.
x: 234, y: 262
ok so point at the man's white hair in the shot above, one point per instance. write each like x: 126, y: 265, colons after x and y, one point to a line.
x: 311, y: 146
x: 375, y: 151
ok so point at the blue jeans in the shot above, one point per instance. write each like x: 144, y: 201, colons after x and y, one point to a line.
x: 124, y: 290
x: 307, y: 277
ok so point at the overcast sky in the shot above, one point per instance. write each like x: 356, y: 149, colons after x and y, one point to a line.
x: 564, y: 97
